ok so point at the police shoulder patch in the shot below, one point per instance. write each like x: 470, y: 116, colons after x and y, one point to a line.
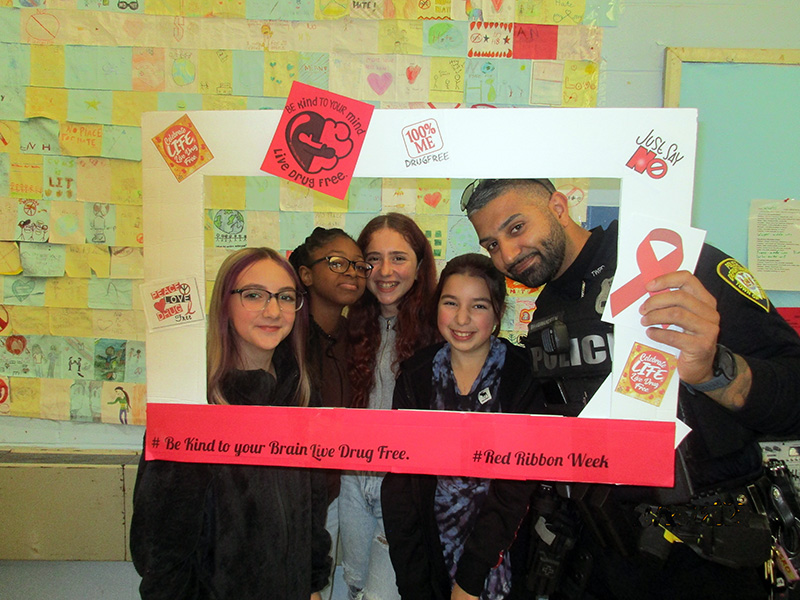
x: 739, y: 278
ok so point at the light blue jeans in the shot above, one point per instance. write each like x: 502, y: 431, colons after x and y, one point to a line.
x: 367, y: 568
x: 332, y: 525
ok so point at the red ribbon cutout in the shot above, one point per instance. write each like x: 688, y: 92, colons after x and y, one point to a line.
x: 649, y: 268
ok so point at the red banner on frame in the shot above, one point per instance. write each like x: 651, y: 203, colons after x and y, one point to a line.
x: 492, y: 445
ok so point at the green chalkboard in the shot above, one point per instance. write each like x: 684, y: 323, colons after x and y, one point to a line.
x: 748, y: 136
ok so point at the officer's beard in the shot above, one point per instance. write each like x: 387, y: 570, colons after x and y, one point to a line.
x: 550, y: 257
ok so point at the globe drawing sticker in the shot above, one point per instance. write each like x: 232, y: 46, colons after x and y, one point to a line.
x: 318, y: 140
x: 183, y: 148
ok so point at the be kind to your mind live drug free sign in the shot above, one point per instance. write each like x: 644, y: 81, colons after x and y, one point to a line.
x: 629, y: 440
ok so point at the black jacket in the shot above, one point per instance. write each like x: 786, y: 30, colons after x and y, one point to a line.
x: 722, y: 445
x: 232, y: 532
x: 408, y: 500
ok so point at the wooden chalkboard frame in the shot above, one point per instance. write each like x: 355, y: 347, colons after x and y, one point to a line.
x: 675, y: 57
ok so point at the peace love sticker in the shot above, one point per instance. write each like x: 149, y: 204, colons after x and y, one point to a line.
x: 183, y: 148
x: 318, y: 140
x: 172, y: 302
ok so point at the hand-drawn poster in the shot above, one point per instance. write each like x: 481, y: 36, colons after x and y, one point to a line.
x: 318, y: 140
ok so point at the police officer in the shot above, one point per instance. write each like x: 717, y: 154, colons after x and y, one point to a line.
x: 739, y: 367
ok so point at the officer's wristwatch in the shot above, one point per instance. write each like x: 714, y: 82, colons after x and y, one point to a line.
x: 724, y: 369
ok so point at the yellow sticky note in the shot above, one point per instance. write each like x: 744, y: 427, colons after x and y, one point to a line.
x: 564, y: 12
x: 228, y: 9
x: 215, y: 71
x: 328, y: 204
x: 433, y: 197
x: 24, y: 396
x: 138, y: 412
x: 54, y: 403
x: 9, y: 135
x: 163, y: 7
x: 129, y: 226
x: 209, y: 293
x: 94, y: 179
x: 47, y: 66
x: 9, y: 259
x: 66, y: 292
x: 406, y: 9
x: 447, y: 79
x: 280, y: 70
x: 126, y: 182
x: 46, y: 102
x: 399, y: 195
x: 263, y: 229
x: 114, y: 324
x: 580, y: 84
x: 126, y: 263
x: 81, y: 139
x: 84, y: 259
x: 533, y: 11
x: 29, y: 320
x: 8, y: 218
x: 71, y: 322
x: 25, y: 178
x: 331, y: 9
x: 400, y: 37
x: 127, y: 107
x: 225, y: 191
x: 212, y: 102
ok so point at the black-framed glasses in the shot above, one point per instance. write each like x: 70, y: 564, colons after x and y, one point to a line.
x: 466, y: 195
x: 340, y: 264
x: 256, y: 299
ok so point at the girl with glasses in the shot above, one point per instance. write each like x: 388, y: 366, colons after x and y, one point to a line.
x: 386, y: 326
x: 462, y: 537
x: 239, y: 531
x: 334, y: 274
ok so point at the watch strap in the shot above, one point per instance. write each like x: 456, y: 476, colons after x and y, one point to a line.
x: 722, y: 376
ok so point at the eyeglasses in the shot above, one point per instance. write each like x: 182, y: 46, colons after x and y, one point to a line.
x: 340, y: 264
x: 256, y: 299
x: 466, y: 195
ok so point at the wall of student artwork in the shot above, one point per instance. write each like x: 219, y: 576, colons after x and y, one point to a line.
x: 79, y: 76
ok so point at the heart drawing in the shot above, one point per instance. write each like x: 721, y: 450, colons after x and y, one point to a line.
x: 433, y: 200
x: 412, y: 71
x: 379, y: 83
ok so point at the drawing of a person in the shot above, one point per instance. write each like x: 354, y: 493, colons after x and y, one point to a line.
x: 99, y: 223
x: 124, y: 401
x: 52, y: 357
x: 38, y: 358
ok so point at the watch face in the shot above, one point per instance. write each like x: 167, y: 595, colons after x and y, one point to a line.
x: 726, y: 363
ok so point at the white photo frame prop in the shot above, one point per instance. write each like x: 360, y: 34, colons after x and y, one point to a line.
x: 651, y: 152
